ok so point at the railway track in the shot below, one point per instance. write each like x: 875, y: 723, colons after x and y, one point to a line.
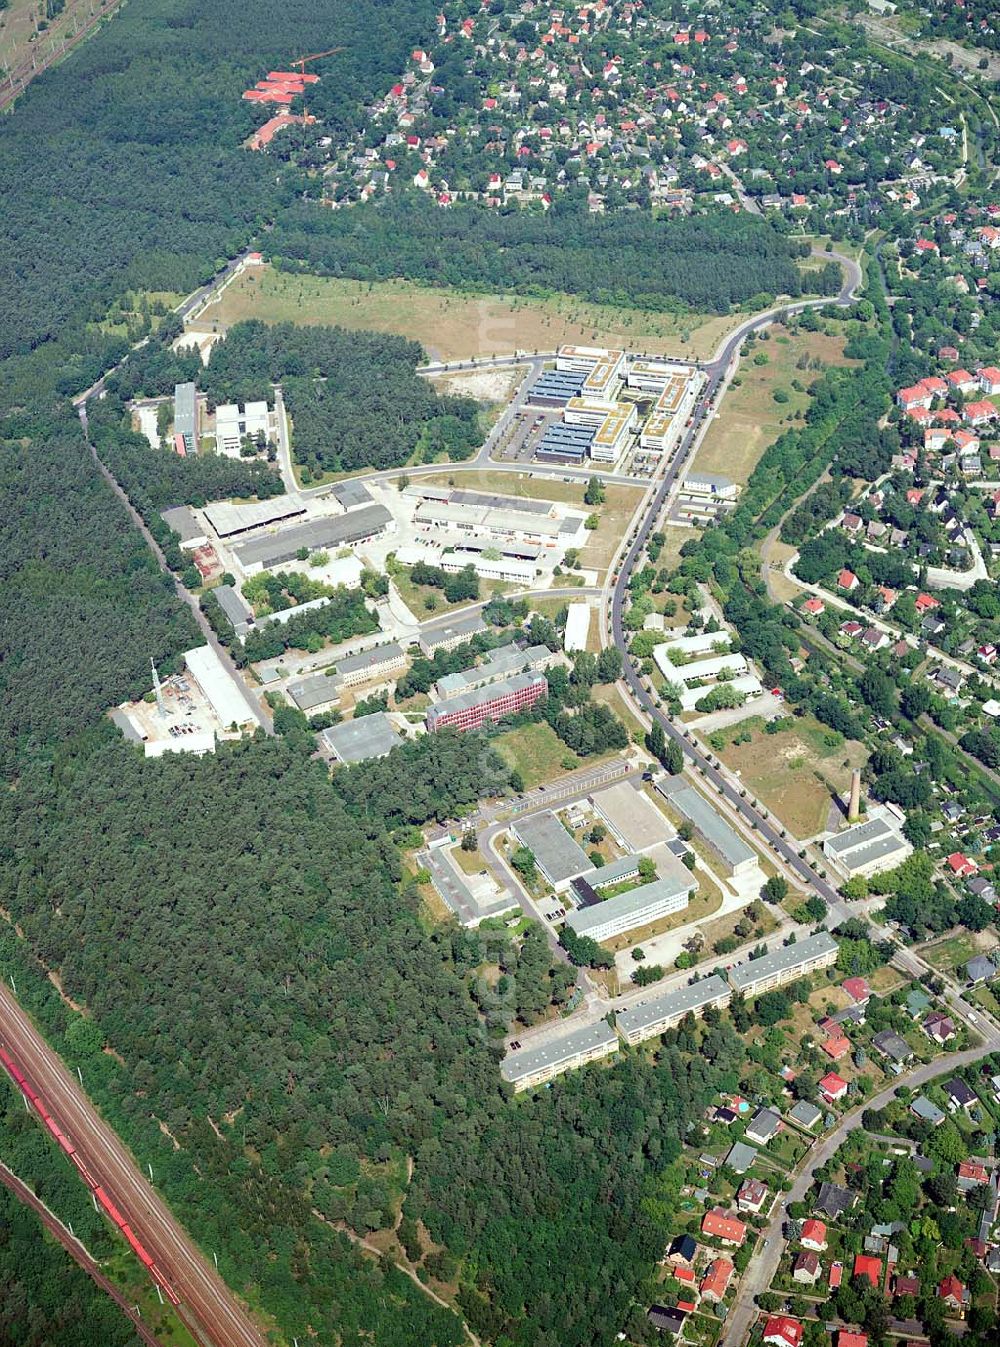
x: 204, y: 1302
x: 76, y: 1250
x: 18, y: 79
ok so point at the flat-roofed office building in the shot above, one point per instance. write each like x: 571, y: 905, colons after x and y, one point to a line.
x: 665, y: 1012
x: 469, y: 710
x: 186, y: 415
x: 450, y: 632
x: 540, y: 1062
x: 784, y: 964
x: 314, y: 693
x: 557, y: 854
x: 636, y: 907
x: 380, y: 662
x: 371, y: 736
x: 507, y: 660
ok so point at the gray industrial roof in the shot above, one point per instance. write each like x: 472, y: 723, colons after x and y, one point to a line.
x: 712, y: 826
x: 228, y: 519
x: 367, y: 737
x: 554, y: 1051
x: 633, y: 903
x: 335, y: 531
x: 316, y: 690
x: 235, y: 607
x: 351, y: 494
x: 560, y: 435
x: 181, y: 519
x: 523, y: 504
x: 780, y: 960
x: 557, y: 383
x: 865, y: 842
x: 371, y: 659
x: 126, y: 725
x: 557, y: 853
x: 692, y: 998
x: 452, y: 629
x: 614, y: 871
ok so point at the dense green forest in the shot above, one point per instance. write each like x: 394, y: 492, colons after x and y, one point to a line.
x: 85, y: 607
x: 340, y: 1033
x: 704, y: 262
x: 146, y: 186
x: 355, y: 398
x: 45, y: 1299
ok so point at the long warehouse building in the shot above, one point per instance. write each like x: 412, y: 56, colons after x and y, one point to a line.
x: 735, y: 854
x: 274, y: 549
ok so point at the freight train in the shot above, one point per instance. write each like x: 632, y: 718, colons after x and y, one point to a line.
x: 110, y: 1210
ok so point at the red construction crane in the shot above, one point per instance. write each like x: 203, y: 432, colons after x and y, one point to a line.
x: 303, y: 61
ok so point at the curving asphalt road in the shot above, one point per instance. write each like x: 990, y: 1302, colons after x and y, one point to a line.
x: 716, y: 372
x: 760, y: 1273
x: 208, y: 1307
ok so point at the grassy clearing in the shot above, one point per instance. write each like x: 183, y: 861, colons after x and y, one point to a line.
x: 469, y: 862
x: 449, y: 324
x: 726, y: 926
x: 795, y: 772
x: 512, y: 484
x: 614, y: 515
x: 749, y: 419
x: 884, y: 981
x: 423, y: 601
x: 537, y: 752
x: 951, y: 953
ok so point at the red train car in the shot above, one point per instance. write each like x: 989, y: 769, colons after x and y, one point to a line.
x: 140, y: 1251
x: 23, y: 1084
x: 109, y: 1207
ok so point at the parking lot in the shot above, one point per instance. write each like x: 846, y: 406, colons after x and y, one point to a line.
x: 530, y: 424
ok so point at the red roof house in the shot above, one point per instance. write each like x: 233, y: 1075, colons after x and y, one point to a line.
x: 783, y: 1331
x: 723, y: 1225
x: 814, y: 1235
x: 961, y: 865
x: 716, y: 1279
x: 833, y: 1087
x: 953, y: 1293
x: 867, y: 1266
